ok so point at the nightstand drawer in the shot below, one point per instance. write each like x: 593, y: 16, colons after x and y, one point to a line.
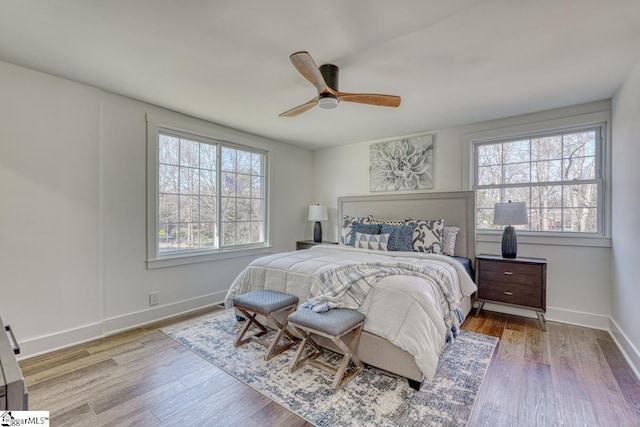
x: 509, y: 275
x: 511, y: 293
x: 502, y: 269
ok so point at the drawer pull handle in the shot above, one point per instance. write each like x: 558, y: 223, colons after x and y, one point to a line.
x: 508, y: 293
x: 12, y: 339
x: 508, y: 272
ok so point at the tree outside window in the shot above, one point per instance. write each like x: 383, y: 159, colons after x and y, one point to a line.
x: 558, y: 175
x: 210, y: 195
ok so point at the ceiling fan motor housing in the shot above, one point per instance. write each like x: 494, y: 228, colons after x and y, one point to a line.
x: 330, y: 73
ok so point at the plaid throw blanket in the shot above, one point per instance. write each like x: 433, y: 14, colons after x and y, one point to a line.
x: 347, y: 287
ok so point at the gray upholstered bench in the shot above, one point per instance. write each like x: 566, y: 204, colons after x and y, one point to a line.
x: 333, y: 324
x: 266, y: 303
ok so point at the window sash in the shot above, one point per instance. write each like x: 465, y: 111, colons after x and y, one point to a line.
x: 483, y: 213
x: 257, y: 222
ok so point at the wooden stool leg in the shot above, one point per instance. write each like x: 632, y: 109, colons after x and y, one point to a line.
x: 337, y: 381
x: 273, y: 349
x: 298, y: 360
x: 341, y: 375
x: 341, y: 378
x: 251, y: 319
x: 296, y: 363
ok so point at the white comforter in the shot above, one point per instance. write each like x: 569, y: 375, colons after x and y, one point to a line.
x: 406, y: 310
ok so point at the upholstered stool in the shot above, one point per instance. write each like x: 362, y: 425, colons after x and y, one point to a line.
x: 266, y: 303
x: 333, y: 324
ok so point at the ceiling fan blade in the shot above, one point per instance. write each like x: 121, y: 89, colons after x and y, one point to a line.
x: 300, y: 108
x: 306, y: 66
x: 370, y: 98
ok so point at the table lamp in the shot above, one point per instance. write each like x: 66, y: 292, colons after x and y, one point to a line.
x: 317, y: 213
x: 510, y: 214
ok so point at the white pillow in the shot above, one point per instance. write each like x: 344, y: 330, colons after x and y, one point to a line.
x: 376, y: 242
x: 449, y: 240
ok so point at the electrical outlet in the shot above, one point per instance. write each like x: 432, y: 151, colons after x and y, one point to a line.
x: 153, y: 298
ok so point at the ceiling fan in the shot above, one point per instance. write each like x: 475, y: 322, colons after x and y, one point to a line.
x: 325, y: 79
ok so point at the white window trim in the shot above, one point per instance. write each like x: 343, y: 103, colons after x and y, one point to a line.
x: 551, y: 125
x: 156, y: 124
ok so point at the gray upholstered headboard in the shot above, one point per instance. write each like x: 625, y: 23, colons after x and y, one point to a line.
x: 457, y: 208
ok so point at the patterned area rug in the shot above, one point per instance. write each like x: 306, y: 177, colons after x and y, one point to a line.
x: 372, y: 398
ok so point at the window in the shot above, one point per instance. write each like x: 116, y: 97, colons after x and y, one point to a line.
x: 558, y: 175
x: 207, y: 196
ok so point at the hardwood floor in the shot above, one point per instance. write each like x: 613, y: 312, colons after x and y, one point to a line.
x: 567, y: 375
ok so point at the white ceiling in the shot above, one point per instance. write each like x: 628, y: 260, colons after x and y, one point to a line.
x: 453, y: 62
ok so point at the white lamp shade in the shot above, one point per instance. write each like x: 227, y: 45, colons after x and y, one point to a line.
x: 510, y: 213
x: 318, y: 213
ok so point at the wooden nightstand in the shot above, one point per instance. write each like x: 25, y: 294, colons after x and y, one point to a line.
x: 306, y: 244
x: 517, y: 282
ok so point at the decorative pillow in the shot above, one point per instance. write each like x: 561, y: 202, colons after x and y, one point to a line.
x: 400, y: 236
x: 377, y: 242
x: 345, y: 235
x: 449, y: 240
x: 387, y: 221
x: 358, y: 227
x: 427, y: 235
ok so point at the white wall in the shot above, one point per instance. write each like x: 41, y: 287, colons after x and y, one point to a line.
x: 73, y: 209
x: 49, y: 204
x: 626, y: 211
x: 578, y: 277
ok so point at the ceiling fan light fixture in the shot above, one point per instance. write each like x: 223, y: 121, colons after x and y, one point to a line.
x: 328, y: 102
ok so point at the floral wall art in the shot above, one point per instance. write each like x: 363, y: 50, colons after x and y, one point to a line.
x: 404, y: 164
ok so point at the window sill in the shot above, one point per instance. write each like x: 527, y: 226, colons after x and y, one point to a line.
x: 174, y: 260
x: 547, y: 239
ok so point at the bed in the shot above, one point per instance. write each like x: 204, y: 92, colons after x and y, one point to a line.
x: 402, y: 332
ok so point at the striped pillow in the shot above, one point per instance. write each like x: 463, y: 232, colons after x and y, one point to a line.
x: 449, y: 240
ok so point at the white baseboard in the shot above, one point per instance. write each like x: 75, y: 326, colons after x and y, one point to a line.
x: 47, y: 343
x: 59, y: 340
x: 578, y: 318
x: 629, y: 351
x: 120, y: 323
